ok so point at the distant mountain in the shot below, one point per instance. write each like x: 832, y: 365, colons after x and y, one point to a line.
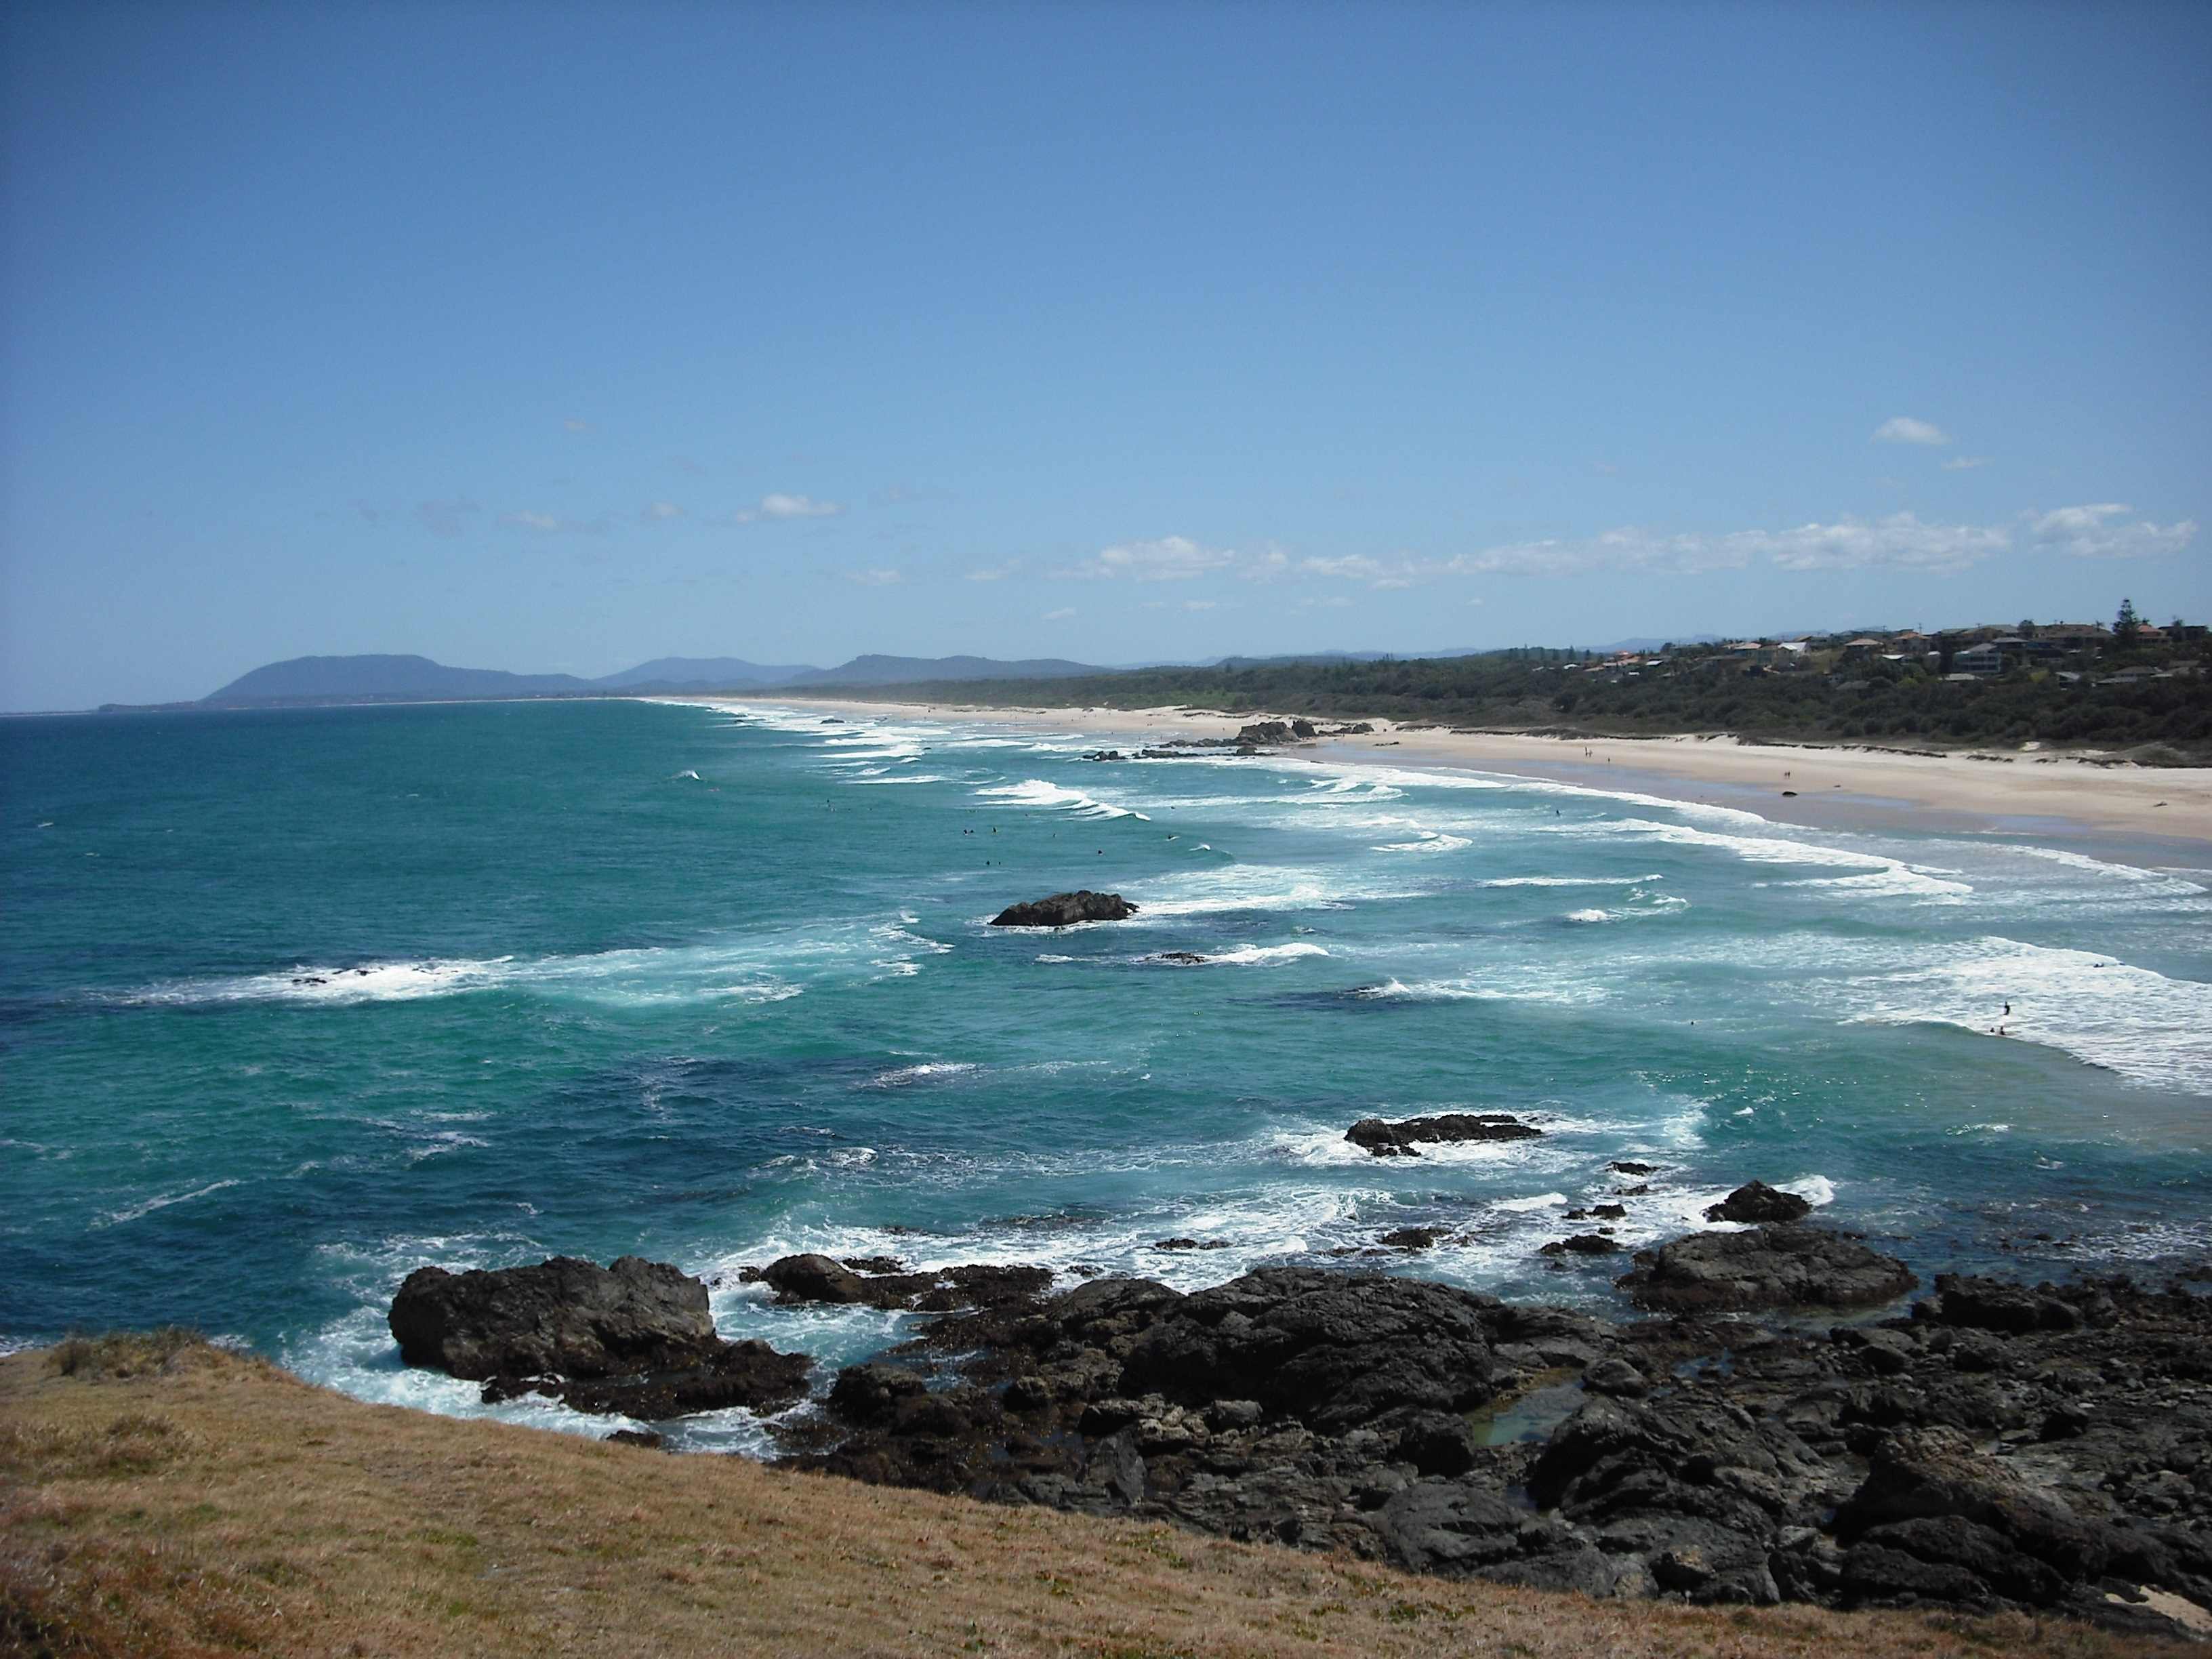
x: 415, y: 679
x: 909, y: 671
x: 703, y: 671
x: 314, y: 679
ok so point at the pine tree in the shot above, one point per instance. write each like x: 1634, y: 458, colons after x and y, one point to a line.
x: 2125, y: 625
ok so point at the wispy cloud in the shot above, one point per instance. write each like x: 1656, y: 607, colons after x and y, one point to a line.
x: 1904, y: 430
x: 573, y: 424
x: 2089, y: 533
x: 996, y: 573
x: 1901, y: 541
x: 785, y: 506
x: 662, y: 510
x: 444, y: 518
x: 874, y: 578
x: 1055, y: 615
x: 1170, y: 559
x: 550, y: 524
x: 1965, y: 463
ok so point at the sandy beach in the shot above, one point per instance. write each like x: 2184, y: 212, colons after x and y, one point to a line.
x: 2147, y: 815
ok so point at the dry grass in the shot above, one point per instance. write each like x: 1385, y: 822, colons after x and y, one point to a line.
x: 159, y: 1496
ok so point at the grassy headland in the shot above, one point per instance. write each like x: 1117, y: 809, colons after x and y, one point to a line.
x: 159, y: 1496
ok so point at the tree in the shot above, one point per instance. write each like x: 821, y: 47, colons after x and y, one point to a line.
x: 2124, y: 626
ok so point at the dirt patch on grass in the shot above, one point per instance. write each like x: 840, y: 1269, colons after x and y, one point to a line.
x: 159, y: 1496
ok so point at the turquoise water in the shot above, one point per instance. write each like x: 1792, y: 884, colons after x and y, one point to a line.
x: 295, y: 1002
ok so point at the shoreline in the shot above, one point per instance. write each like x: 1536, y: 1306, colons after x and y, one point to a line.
x: 2139, y: 815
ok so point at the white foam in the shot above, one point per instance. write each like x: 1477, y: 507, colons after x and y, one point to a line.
x: 116, y: 1217
x: 2130, y: 1020
x: 1261, y: 956
x: 1428, y: 840
x: 1587, y: 915
x: 767, y: 967
x: 1038, y: 792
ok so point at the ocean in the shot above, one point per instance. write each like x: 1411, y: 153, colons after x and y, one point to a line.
x: 294, y: 1002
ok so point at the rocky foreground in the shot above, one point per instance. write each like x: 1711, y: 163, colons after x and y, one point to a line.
x: 1991, y: 1446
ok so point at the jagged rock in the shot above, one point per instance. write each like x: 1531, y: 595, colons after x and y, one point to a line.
x: 873, y: 1393
x: 798, y: 1279
x: 565, y: 1317
x: 1399, y: 1139
x: 1777, y: 1266
x: 1757, y: 1202
x: 1331, y: 1350
x: 1065, y: 910
x: 636, y: 1337
x: 1581, y: 1245
x: 1989, y: 1304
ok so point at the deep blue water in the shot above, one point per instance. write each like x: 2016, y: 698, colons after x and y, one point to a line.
x: 295, y: 1002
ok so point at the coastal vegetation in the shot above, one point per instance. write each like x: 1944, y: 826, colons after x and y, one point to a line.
x: 163, y: 1497
x: 2148, y: 699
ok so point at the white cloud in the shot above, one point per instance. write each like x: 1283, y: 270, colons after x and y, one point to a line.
x: 1904, y: 430
x: 548, y: 524
x: 1064, y: 611
x: 1334, y: 601
x: 997, y: 573
x: 874, y: 578
x: 662, y: 510
x: 1964, y: 463
x: 785, y: 506
x: 1201, y: 604
x: 444, y: 518
x: 1478, y: 599
x: 2088, y: 533
x: 572, y: 424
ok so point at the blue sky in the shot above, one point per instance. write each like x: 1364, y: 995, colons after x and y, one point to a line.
x: 557, y: 337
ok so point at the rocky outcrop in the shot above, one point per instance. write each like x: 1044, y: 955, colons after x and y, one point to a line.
x: 1330, y: 1350
x: 798, y: 1279
x: 565, y: 1316
x: 1757, y: 1203
x: 1971, y: 1455
x: 1777, y: 1266
x: 1404, y: 1139
x: 636, y: 1337
x: 1065, y: 910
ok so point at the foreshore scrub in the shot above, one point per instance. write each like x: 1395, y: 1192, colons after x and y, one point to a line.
x: 160, y: 1495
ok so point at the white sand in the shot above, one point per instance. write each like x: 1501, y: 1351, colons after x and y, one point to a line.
x: 2012, y: 791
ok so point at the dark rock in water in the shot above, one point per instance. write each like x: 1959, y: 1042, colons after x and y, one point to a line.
x: 1581, y: 1245
x: 1065, y: 910
x: 797, y: 1279
x: 646, y: 1438
x: 1401, y: 1139
x: 565, y: 1317
x: 1633, y: 1169
x: 1779, y: 1267
x: 873, y: 1264
x: 1757, y: 1202
x: 636, y: 1337
x: 1181, y: 958
x: 1191, y: 1244
x: 1412, y: 1238
x: 1328, y: 1349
